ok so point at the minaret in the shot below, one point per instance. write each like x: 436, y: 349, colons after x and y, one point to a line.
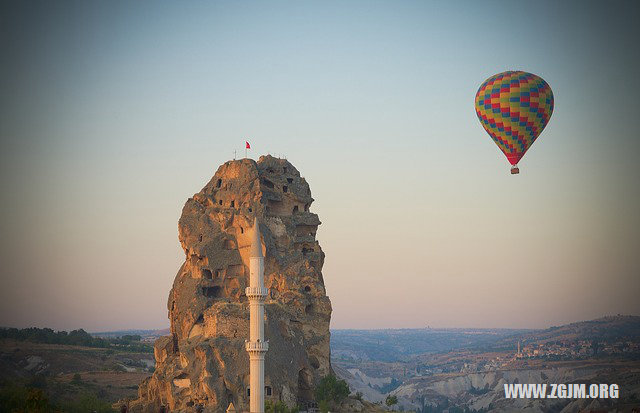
x: 256, y: 346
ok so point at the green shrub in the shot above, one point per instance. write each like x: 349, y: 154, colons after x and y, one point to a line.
x: 16, y: 398
x: 323, y: 406
x: 86, y: 402
x: 275, y: 407
x: 20, y: 397
x: 391, y: 400
x: 278, y: 407
x: 77, y: 379
x: 331, y: 391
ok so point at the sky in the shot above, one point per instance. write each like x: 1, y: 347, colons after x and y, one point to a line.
x: 113, y: 113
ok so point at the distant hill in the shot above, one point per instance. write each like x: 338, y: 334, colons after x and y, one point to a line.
x: 601, y: 329
x: 437, y: 370
x: 128, y: 342
x: 399, y: 344
x: 142, y: 333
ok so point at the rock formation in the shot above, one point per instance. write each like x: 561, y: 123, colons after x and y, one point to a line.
x: 204, y: 362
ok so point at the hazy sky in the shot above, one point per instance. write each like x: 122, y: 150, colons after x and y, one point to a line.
x: 112, y: 114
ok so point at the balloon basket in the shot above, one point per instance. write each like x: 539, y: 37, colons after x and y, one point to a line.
x: 515, y: 170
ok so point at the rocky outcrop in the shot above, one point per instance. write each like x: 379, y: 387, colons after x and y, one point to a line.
x: 203, y: 362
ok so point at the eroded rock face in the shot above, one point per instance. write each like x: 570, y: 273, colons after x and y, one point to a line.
x: 204, y: 362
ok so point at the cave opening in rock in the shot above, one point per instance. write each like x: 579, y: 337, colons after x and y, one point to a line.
x: 206, y: 274
x: 308, y: 309
x: 174, y: 342
x: 267, y: 183
x: 277, y: 208
x: 267, y: 390
x: 295, y: 209
x: 220, y: 202
x: 212, y: 292
x: 304, y: 386
x: 307, y: 288
x: 285, y: 188
x: 232, y: 204
x: 290, y: 180
x: 219, y: 183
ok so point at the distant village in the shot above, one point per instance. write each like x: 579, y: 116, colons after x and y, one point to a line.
x: 552, y: 351
x: 577, y: 349
x: 560, y: 350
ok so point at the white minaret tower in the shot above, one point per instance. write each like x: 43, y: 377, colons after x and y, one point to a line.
x: 256, y: 345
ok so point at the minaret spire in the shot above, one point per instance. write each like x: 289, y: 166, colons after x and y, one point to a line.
x: 256, y: 346
x: 256, y: 245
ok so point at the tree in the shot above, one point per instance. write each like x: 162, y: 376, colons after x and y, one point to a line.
x: 391, y: 400
x: 331, y: 391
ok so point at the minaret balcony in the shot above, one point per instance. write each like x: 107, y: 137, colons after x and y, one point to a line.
x: 256, y: 346
x: 256, y: 292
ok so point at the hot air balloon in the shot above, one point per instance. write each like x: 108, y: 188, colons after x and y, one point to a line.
x: 514, y: 107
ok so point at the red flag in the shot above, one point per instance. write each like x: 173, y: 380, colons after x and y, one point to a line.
x: 247, y: 145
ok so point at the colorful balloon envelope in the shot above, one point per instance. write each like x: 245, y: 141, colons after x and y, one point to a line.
x: 514, y: 107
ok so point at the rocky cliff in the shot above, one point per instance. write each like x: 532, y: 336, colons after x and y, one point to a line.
x: 203, y: 361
